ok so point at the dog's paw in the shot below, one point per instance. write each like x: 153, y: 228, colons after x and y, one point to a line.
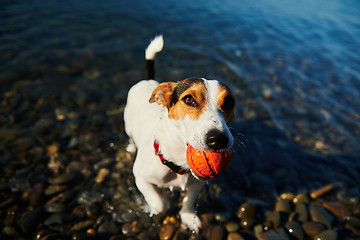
x: 131, y: 148
x: 191, y: 221
x: 159, y: 207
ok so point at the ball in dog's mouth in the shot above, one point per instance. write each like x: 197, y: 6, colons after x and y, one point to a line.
x: 206, y: 164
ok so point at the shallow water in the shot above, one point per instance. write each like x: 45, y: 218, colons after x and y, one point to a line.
x: 294, y: 68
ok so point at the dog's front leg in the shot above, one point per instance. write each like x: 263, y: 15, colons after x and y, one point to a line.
x: 152, y: 196
x: 189, y: 219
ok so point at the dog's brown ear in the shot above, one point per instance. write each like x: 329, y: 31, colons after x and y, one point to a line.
x: 162, y: 94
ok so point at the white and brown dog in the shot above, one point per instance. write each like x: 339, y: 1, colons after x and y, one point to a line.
x: 161, y: 119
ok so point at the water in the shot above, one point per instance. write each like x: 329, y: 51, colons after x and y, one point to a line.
x: 293, y: 66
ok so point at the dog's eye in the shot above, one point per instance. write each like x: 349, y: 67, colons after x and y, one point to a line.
x: 229, y: 103
x: 189, y: 100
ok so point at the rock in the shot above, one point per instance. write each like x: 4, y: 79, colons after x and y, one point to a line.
x: 337, y: 208
x: 301, y: 198
x: 55, y: 207
x: 319, y: 214
x: 275, y: 218
x: 215, y: 232
x: 131, y: 229
x: 353, y: 221
x: 207, y: 218
x: 313, y: 228
x: 321, y: 191
x: 125, y: 216
x: 232, y: 226
x: 64, y: 178
x: 55, y: 189
x: 283, y: 206
x: 87, y: 198
x: 258, y: 230
x: 247, y: 210
x: 327, y: 235
x: 295, y: 230
x: 234, y: 236
x: 60, y: 218
x: 221, y: 217
x: 83, y: 225
x: 302, y: 211
x: 167, y: 231
x: 287, y: 196
x: 108, y: 227
x: 36, y: 196
x: 103, y: 173
x: 33, y: 219
x: 279, y: 234
x: 247, y: 223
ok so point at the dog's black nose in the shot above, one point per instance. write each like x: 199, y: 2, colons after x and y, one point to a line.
x: 216, y: 139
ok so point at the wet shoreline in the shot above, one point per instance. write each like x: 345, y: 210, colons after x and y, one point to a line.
x: 68, y: 176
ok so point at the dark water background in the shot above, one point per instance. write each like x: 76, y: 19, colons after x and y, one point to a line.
x: 294, y: 67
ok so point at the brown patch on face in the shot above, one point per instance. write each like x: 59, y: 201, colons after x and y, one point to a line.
x: 226, y: 102
x: 162, y: 94
x: 189, y: 99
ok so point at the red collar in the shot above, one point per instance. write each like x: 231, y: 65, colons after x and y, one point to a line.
x: 177, y: 169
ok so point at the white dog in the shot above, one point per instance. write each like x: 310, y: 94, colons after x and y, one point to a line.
x: 161, y: 119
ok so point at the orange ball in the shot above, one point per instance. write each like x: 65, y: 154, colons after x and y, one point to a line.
x: 207, y: 164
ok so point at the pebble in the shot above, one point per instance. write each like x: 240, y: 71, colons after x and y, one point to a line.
x: 33, y: 219
x: 353, y: 221
x: 60, y: 218
x: 319, y: 214
x: 167, y: 231
x: 87, y: 198
x: 125, y: 216
x: 283, y: 206
x: 131, y: 229
x: 207, y: 218
x: 301, y: 198
x: 337, y: 208
x: 287, y: 196
x: 55, y: 189
x: 295, y: 230
x: 321, y: 191
x: 234, y: 236
x: 275, y: 218
x: 302, y: 212
x: 63, y: 178
x: 108, y: 227
x: 83, y: 225
x: 103, y: 173
x: 232, y: 227
x: 313, y: 228
x: 327, y: 235
x: 55, y: 207
x: 247, y: 223
x: 215, y: 232
x: 247, y: 210
x: 36, y: 196
x: 279, y: 234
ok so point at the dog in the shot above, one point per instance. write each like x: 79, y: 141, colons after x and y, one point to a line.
x: 161, y: 119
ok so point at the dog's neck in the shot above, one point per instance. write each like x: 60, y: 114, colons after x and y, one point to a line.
x: 171, y: 140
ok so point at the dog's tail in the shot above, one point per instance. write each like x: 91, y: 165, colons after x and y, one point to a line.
x: 155, y: 46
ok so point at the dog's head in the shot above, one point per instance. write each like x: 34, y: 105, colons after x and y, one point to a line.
x: 201, y: 108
